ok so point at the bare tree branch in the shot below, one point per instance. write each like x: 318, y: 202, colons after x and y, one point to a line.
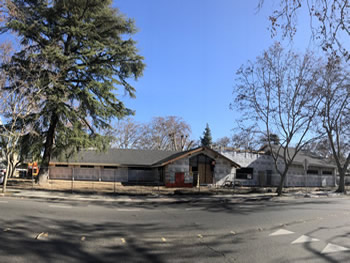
x: 278, y: 92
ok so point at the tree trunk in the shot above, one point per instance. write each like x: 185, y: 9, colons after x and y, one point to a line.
x: 281, y: 183
x: 341, y: 187
x: 8, y: 171
x: 4, y: 183
x: 44, y: 166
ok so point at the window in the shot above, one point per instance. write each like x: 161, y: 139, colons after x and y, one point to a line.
x: 312, y: 172
x: 110, y: 167
x: 161, y: 174
x: 61, y: 165
x: 87, y: 166
x: 327, y: 172
x: 244, y: 173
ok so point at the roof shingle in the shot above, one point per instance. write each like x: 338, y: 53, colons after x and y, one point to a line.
x: 127, y: 157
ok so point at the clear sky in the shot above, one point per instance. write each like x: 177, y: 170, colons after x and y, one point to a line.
x: 192, y: 49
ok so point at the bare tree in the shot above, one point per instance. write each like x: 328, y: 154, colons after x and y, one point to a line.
x: 223, y: 142
x: 127, y: 134
x: 329, y: 22
x: 277, y: 93
x: 320, y: 147
x: 162, y: 133
x: 335, y: 114
x: 245, y: 138
x: 15, y: 106
x: 166, y: 133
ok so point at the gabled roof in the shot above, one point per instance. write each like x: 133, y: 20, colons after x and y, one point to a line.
x: 132, y: 157
x: 184, y: 154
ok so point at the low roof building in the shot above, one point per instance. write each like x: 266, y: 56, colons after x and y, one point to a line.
x: 201, y: 165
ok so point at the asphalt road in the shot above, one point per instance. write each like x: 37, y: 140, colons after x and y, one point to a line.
x: 194, y: 230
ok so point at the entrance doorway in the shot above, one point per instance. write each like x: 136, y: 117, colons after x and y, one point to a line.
x: 202, y: 168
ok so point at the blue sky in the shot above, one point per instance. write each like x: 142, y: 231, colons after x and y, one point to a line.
x: 192, y: 49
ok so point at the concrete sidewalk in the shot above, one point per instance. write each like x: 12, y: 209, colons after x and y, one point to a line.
x: 58, y: 195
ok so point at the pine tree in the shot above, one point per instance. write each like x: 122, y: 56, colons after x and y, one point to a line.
x: 206, y: 140
x: 76, y: 52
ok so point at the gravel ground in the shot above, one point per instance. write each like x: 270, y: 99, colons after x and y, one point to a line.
x: 118, y: 188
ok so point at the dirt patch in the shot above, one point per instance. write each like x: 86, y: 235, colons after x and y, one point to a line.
x: 89, y: 187
x: 118, y: 188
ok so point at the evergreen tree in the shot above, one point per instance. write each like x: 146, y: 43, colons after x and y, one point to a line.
x: 206, y: 140
x: 76, y: 53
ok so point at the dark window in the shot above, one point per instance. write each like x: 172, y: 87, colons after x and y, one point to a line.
x: 161, y: 174
x: 61, y: 165
x: 312, y: 172
x: 87, y: 166
x: 244, y: 173
x: 327, y: 172
x: 110, y: 167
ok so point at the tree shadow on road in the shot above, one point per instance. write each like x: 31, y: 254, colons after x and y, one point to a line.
x: 73, y: 241
x: 338, y: 240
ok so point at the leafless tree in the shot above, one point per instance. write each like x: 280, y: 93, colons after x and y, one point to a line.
x: 127, y: 134
x: 162, y: 133
x: 276, y: 93
x: 329, y: 22
x: 166, y: 133
x: 223, y: 142
x: 245, y: 138
x: 320, y: 147
x: 335, y: 114
x: 15, y: 106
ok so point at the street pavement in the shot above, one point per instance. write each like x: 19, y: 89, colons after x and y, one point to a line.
x: 51, y: 227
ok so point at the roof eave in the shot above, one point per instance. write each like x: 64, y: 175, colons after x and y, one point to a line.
x: 196, y: 150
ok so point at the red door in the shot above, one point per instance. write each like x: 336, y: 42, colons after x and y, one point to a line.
x: 179, y: 179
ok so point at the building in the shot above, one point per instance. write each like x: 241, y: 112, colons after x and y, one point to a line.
x: 258, y: 169
x: 173, y: 169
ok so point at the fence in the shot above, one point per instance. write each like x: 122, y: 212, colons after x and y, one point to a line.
x: 87, y: 180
